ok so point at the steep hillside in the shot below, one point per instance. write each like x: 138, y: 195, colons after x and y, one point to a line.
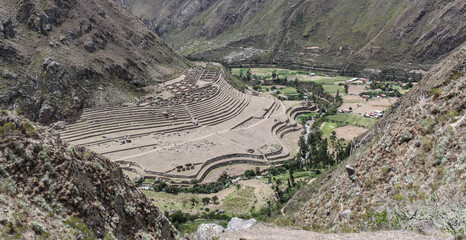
x: 57, y: 56
x: 408, y: 172
x: 52, y: 190
x: 307, y: 32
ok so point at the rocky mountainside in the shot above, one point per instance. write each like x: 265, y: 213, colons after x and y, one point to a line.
x: 408, y: 172
x: 52, y: 190
x: 321, y: 32
x: 57, y: 56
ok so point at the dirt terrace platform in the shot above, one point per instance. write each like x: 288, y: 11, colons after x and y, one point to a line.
x: 189, y: 135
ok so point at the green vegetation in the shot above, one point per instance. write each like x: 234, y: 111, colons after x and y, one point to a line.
x: 350, y: 119
x: 328, y: 128
x: 223, y: 182
x: 305, y: 117
x: 240, y: 201
x: 289, y: 91
x: 333, y: 89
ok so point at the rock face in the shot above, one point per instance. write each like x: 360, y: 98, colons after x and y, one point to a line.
x: 308, y: 31
x: 62, y: 192
x: 236, y: 224
x: 420, y: 182
x: 208, y: 231
x: 60, y: 51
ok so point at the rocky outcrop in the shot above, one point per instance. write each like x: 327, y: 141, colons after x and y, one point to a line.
x: 66, y: 192
x: 208, y: 231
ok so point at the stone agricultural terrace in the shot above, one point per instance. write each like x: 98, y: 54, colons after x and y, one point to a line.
x: 199, y: 125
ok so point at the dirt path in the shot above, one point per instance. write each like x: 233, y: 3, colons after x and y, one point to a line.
x: 262, y: 231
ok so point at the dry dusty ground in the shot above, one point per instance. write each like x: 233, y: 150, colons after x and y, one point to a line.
x: 360, y: 106
x: 349, y: 132
x: 166, y: 151
x: 264, y: 232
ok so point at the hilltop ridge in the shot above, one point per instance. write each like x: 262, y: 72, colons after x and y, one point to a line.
x: 311, y: 33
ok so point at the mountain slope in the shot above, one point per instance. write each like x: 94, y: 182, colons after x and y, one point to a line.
x: 56, y: 191
x: 409, y: 170
x: 308, y: 32
x: 59, y: 56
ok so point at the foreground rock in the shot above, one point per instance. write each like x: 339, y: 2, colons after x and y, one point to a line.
x: 208, y: 231
x: 61, y: 192
x: 236, y: 224
x: 264, y: 232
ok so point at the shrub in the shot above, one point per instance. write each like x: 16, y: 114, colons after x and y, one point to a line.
x: 436, y: 92
x: 37, y: 227
x: 249, y: 173
x: 80, y: 228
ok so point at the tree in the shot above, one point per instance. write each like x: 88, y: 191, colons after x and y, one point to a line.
x: 346, y: 88
x: 206, y: 200
x: 292, y: 177
x: 258, y: 171
x: 215, y: 199
x: 249, y: 173
x: 193, y: 201
x: 274, y: 74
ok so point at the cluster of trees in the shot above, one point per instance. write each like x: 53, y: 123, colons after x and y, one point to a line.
x: 223, y: 182
x: 248, y: 174
x: 178, y: 218
x: 395, y: 75
x: 394, y: 93
x: 315, y: 151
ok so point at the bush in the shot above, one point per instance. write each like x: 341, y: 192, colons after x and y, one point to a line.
x: 37, y: 227
x: 436, y: 92
x: 249, y: 174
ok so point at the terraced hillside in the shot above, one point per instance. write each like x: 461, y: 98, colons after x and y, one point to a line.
x: 57, y: 57
x: 320, y: 33
x: 201, y: 125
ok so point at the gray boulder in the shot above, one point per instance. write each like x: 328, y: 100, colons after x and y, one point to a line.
x: 350, y: 170
x: 236, y: 224
x: 346, y: 214
x: 9, y: 75
x: 6, y: 26
x: 46, y: 113
x: 90, y: 47
x: 208, y: 231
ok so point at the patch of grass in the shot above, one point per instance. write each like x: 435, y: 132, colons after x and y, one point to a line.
x: 289, y: 91
x: 239, y: 201
x: 351, y: 119
x: 333, y: 89
x: 328, y: 128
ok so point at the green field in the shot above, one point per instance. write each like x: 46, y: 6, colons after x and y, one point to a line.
x: 333, y: 89
x: 330, y: 84
x: 289, y: 91
x: 328, y: 128
x: 354, y: 120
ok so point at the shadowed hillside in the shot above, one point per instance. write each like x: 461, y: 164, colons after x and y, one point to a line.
x: 328, y: 33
